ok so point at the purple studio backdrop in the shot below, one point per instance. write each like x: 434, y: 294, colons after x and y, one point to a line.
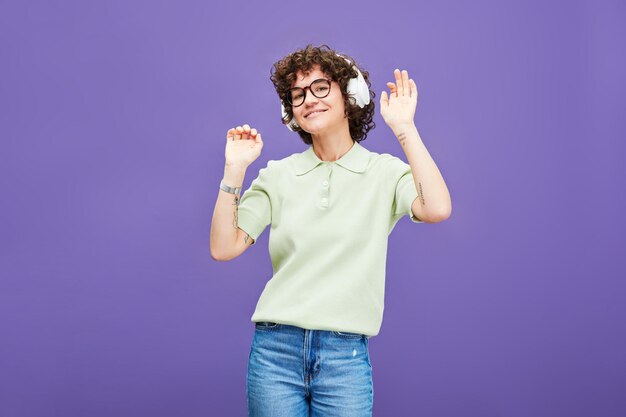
x: 113, y: 118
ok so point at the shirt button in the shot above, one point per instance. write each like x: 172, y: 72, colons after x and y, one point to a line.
x: 325, y: 183
x: 324, y: 201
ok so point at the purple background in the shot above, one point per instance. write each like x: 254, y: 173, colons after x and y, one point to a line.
x: 113, y: 118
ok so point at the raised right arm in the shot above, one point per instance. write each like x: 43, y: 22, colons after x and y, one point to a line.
x: 228, y: 241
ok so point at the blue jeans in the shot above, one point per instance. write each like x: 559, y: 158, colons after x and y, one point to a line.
x: 296, y: 372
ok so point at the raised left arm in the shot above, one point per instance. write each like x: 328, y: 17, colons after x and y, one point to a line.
x: 433, y: 203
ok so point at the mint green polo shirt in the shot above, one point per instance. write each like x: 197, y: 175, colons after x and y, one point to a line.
x: 330, y: 223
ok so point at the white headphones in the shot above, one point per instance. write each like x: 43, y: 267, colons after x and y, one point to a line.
x: 357, y: 88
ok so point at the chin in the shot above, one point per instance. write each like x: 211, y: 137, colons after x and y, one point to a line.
x: 320, y: 126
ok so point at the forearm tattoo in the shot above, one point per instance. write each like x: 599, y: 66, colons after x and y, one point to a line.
x: 402, y: 138
x: 236, y: 204
x: 247, y: 237
x: 420, y: 194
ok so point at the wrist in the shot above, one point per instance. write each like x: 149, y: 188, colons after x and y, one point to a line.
x: 403, y: 128
x: 235, y: 166
x: 234, y: 175
x: 227, y: 188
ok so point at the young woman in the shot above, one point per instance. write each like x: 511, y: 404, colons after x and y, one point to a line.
x: 331, y: 210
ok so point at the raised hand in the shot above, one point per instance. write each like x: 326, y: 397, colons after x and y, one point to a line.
x: 398, y: 108
x: 243, y: 146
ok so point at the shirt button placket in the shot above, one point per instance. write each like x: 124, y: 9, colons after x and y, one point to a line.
x: 325, y: 186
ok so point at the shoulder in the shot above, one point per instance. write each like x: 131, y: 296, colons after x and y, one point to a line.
x: 276, y: 168
x: 285, y: 166
x: 273, y: 165
x: 387, y: 163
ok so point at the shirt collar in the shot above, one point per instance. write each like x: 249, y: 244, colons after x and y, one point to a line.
x: 355, y: 160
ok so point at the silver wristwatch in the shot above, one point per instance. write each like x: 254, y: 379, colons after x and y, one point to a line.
x: 228, y: 189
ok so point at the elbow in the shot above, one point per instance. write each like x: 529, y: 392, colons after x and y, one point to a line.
x: 434, y: 214
x: 215, y: 256
x: 439, y: 215
x: 443, y: 214
x: 221, y: 251
x: 218, y: 256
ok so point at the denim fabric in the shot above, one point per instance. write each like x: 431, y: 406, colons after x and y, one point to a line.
x: 296, y: 372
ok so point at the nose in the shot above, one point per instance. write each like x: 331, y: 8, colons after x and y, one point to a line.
x: 309, y: 98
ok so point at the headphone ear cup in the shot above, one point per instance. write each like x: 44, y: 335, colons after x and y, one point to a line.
x: 357, y: 87
x: 291, y: 125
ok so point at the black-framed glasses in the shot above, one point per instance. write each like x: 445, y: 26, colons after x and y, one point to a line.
x: 320, y: 88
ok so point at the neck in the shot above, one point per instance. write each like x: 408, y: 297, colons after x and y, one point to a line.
x: 330, y: 146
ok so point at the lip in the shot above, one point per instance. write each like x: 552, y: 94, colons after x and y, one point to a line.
x: 314, y: 111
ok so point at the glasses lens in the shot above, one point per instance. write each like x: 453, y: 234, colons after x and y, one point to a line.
x: 320, y: 88
x: 296, y: 96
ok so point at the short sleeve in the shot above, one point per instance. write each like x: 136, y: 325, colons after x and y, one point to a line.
x: 405, y: 192
x: 254, y: 213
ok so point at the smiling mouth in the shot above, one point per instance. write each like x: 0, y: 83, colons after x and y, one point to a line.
x: 314, y: 113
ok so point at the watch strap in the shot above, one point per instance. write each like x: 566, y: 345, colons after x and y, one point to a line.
x: 229, y: 189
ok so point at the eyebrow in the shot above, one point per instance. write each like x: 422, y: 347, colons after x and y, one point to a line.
x: 322, y: 77
x: 300, y: 86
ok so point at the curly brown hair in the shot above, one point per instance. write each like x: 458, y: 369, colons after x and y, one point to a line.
x: 283, y: 76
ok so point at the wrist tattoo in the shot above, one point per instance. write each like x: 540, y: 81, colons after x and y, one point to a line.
x: 421, y: 194
x: 402, y: 138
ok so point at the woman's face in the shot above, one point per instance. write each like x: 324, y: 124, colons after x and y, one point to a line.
x: 317, y: 115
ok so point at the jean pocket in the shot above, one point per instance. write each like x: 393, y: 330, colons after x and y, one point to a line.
x: 347, y: 335
x: 266, y: 325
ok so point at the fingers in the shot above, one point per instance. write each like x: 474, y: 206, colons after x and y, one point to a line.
x: 230, y: 135
x: 404, y: 86
x: 384, y: 100
x: 399, y: 85
x: 244, y: 132
x: 405, y: 83
x: 413, y: 89
x: 402, y: 82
